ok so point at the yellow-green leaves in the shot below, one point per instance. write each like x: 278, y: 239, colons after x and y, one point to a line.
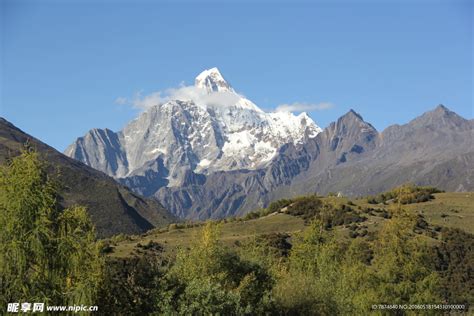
x: 46, y: 254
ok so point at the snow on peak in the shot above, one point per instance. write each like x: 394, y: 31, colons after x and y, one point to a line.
x: 206, y: 128
x: 250, y: 136
x: 212, y: 81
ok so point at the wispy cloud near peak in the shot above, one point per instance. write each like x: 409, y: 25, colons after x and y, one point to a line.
x: 302, y: 106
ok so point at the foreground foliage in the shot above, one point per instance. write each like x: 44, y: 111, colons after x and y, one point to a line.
x: 212, y: 279
x: 46, y: 254
x: 328, y: 278
x: 454, y: 259
x: 50, y: 255
x: 316, y: 274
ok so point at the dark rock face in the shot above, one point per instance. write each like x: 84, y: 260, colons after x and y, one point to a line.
x: 349, y: 156
x: 113, y: 208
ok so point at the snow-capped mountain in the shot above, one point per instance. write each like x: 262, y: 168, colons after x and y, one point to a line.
x: 211, y: 80
x: 208, y: 152
x: 205, y: 128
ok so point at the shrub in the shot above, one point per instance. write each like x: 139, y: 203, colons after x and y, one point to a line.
x: 173, y: 226
x: 405, y: 194
x: 251, y: 215
x: 353, y: 234
x: 278, y: 205
x: 454, y: 259
x: 307, y: 207
x: 132, y: 286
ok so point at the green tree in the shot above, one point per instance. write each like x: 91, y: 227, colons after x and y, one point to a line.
x: 454, y: 259
x: 132, y: 285
x: 46, y: 254
x: 401, y: 270
x: 211, y: 279
x: 310, y: 284
x: 329, y: 277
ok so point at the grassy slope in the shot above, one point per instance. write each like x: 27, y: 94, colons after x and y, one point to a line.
x: 230, y: 232
x: 459, y: 208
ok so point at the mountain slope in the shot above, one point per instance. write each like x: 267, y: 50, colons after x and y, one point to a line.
x: 455, y: 210
x: 349, y: 156
x: 427, y: 150
x: 113, y: 208
x: 203, y: 129
x: 207, y: 151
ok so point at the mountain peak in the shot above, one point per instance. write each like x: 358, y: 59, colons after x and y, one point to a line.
x: 352, y: 115
x: 353, y: 121
x: 442, y: 110
x: 440, y: 115
x: 439, y: 112
x: 212, y: 81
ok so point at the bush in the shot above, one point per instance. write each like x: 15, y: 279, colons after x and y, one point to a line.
x: 106, y: 248
x: 306, y: 207
x: 119, y: 238
x: 454, y: 259
x: 353, y: 234
x: 405, y: 194
x: 312, y: 207
x: 132, y: 286
x: 174, y: 226
x: 153, y: 245
x: 277, y: 242
x: 278, y: 205
x: 421, y: 223
x: 251, y: 215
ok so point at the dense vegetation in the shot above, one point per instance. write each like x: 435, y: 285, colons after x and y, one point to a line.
x: 50, y: 254
x: 310, y: 208
x: 316, y: 274
x: 405, y: 194
x: 46, y: 254
x: 454, y: 260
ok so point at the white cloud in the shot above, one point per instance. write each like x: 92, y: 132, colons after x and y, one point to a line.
x: 202, y: 98
x: 121, y: 101
x: 147, y: 101
x: 184, y: 93
x: 301, y: 106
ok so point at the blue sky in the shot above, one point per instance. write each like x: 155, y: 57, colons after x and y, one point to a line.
x: 63, y: 64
